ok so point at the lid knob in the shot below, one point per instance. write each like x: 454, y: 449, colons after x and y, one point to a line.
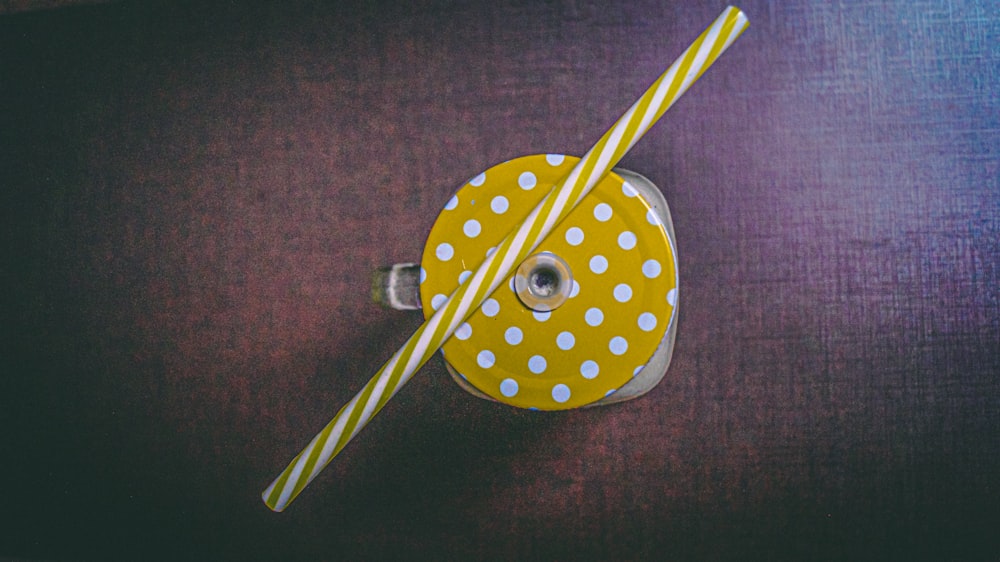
x: 543, y: 282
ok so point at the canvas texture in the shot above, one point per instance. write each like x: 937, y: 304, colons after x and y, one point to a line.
x: 195, y: 196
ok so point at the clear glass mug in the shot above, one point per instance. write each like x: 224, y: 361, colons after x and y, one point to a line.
x: 588, y: 319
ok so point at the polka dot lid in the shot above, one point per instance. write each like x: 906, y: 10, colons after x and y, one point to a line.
x: 621, y: 299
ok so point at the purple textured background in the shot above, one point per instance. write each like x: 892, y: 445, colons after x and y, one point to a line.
x: 194, y: 198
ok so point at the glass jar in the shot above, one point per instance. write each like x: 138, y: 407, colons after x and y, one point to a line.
x: 588, y: 319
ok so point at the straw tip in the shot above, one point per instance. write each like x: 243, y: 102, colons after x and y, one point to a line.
x: 274, y: 508
x: 272, y: 503
x: 735, y: 12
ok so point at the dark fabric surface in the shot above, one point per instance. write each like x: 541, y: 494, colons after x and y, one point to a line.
x: 194, y: 197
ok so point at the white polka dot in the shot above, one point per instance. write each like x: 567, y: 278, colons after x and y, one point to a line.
x: 423, y: 275
x: 574, y: 236
x: 444, y: 251
x: 486, y: 359
x: 626, y: 240
x: 652, y: 218
x: 472, y: 228
x: 618, y: 345
x: 463, y: 276
x: 491, y: 251
x: 554, y: 159
x: 628, y: 190
x: 511, y: 284
x: 672, y: 297
x: 478, y: 180
x: 527, y: 180
x: 651, y: 269
x: 589, y: 369
x: 598, y: 264
x: 602, y: 212
x: 537, y: 364
x: 647, y: 321
x: 575, y: 290
x: 437, y: 300
x: 610, y: 392
x: 464, y: 331
x: 508, y: 387
x: 560, y: 393
x: 565, y: 341
x: 499, y: 204
x: 541, y: 316
x: 452, y: 203
x: 594, y: 317
x: 636, y: 370
x: 623, y: 293
x: 513, y: 335
x: 491, y: 307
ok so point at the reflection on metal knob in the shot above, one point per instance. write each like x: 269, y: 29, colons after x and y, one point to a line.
x: 543, y: 282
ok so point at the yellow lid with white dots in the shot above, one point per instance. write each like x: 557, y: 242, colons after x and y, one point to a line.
x: 581, y: 316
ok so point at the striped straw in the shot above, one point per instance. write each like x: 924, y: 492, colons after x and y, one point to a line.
x: 518, y: 245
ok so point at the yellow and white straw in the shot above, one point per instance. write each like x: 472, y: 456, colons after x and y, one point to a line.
x: 565, y: 195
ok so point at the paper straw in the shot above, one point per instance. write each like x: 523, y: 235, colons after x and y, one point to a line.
x: 518, y: 245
